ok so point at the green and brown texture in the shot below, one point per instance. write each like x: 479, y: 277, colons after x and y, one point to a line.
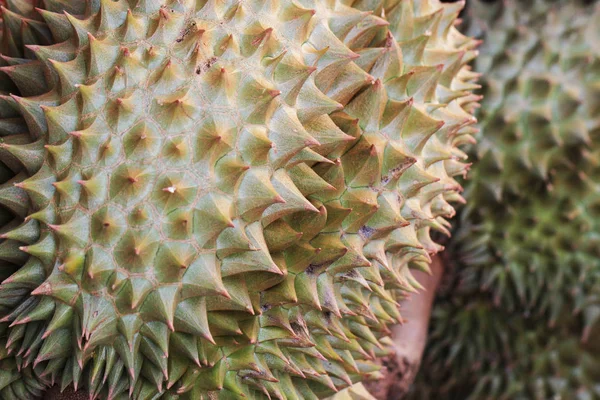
x: 518, y: 317
x: 400, y: 369
x: 354, y: 392
x: 219, y: 199
x: 479, y: 351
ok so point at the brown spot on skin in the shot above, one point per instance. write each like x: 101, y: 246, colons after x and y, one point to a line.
x: 265, y: 307
x: 186, y: 32
x: 206, y: 65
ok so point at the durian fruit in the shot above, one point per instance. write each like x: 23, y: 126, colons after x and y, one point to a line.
x: 480, y: 351
x: 520, y: 317
x: 531, y: 226
x: 220, y: 199
x: 470, y: 340
x: 559, y: 366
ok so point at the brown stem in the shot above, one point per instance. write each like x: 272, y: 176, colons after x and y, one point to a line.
x: 400, y: 369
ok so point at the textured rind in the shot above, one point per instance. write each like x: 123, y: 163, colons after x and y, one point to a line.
x: 354, y: 392
x: 480, y: 351
x: 220, y: 199
x: 520, y: 318
x: 531, y: 225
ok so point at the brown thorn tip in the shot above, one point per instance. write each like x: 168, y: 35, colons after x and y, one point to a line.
x: 164, y: 13
x: 278, y: 199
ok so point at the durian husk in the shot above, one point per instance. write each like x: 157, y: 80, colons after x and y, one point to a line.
x: 519, y: 316
x: 221, y: 199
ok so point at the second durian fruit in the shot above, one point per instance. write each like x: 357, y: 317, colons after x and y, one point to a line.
x: 534, y: 190
x: 519, y: 317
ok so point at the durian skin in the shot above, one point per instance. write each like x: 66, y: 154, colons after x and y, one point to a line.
x: 519, y: 319
x: 354, y: 392
x: 531, y: 223
x: 221, y: 199
x: 477, y: 350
